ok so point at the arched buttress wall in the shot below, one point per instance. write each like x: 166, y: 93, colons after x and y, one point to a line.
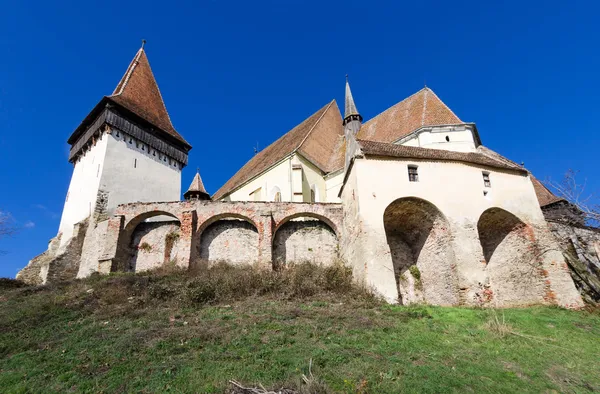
x: 227, y: 237
x: 419, y: 239
x: 511, y: 256
x: 301, y: 239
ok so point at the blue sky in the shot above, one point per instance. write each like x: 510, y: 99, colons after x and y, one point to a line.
x: 234, y: 74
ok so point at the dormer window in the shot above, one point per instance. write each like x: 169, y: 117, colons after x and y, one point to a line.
x: 413, y: 174
x: 486, y: 179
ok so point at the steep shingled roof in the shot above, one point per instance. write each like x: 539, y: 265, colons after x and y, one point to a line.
x: 138, y: 92
x: 544, y: 195
x: 196, y: 187
x: 412, y: 152
x: 316, y: 138
x: 423, y: 108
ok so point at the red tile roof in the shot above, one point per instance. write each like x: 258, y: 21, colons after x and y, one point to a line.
x: 317, y: 139
x: 544, y: 195
x: 423, y: 108
x: 412, y: 152
x: 139, y: 93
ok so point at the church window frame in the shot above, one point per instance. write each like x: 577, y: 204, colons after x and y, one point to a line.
x: 413, y: 173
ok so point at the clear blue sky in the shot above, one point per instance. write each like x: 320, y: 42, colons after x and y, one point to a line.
x: 234, y: 73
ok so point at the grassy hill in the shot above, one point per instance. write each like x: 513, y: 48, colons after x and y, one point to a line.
x: 182, y: 332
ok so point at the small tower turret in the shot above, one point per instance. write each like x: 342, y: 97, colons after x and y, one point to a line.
x: 352, y: 119
x: 196, y: 190
x: 352, y: 123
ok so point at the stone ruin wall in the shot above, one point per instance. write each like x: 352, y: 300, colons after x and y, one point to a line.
x: 510, y: 274
x: 581, y: 248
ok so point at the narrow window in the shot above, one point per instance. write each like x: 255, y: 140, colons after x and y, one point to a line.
x: 277, y: 197
x: 98, y: 171
x: 134, y: 163
x: 413, y: 175
x: 486, y: 179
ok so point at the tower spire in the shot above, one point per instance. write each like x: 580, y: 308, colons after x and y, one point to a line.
x: 196, y: 190
x: 350, y: 110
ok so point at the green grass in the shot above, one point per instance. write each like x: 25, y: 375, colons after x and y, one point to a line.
x: 154, y: 333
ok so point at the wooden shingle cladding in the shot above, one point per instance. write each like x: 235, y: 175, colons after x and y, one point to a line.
x: 119, y: 119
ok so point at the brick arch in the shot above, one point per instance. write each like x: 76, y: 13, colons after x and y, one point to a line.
x: 131, y: 223
x: 227, y: 236
x: 202, y: 225
x: 126, y: 254
x: 307, y: 214
x: 314, y: 241
x: 419, y: 237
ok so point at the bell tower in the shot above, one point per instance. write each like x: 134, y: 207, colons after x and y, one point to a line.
x: 125, y: 150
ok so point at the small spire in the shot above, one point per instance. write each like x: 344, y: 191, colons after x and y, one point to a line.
x: 196, y: 191
x: 350, y: 110
x: 143, y: 43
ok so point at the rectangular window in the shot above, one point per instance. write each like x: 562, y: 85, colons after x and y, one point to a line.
x: 413, y: 174
x: 134, y: 163
x: 486, y: 179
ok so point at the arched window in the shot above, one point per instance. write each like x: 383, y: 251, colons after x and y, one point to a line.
x: 275, y: 194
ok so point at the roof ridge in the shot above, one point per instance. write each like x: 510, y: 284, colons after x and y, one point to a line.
x: 128, y: 73
x: 444, y: 104
x: 424, y: 108
x: 399, y: 102
x: 314, y: 125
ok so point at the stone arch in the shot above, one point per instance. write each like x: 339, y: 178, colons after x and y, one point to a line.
x: 510, y: 257
x: 304, y: 238
x: 146, y: 244
x: 419, y: 238
x: 312, y: 215
x: 228, y: 237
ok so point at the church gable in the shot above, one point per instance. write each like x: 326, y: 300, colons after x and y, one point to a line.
x: 315, y: 138
x: 423, y: 108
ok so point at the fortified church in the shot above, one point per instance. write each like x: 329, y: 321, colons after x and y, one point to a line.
x: 411, y: 200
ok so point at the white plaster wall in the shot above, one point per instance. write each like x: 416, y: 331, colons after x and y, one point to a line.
x: 446, y: 185
x: 281, y: 176
x: 278, y: 175
x: 333, y: 183
x: 460, y: 140
x: 456, y: 189
x: 312, y: 176
x: 152, y: 179
x: 83, y: 189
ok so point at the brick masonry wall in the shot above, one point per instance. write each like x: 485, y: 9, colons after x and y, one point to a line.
x: 305, y: 240
x: 153, y: 245
x: 233, y: 241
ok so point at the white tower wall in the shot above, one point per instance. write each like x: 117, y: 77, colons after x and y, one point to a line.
x: 118, y: 169
x: 83, y: 189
